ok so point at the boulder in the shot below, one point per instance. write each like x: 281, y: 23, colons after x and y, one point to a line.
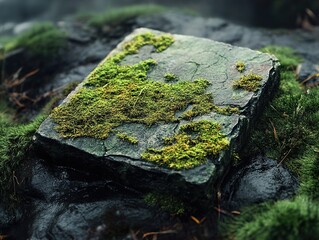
x: 171, y: 126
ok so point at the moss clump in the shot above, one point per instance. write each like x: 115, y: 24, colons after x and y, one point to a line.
x: 240, y: 66
x: 169, y: 77
x: 195, y: 142
x: 288, y: 219
x: 15, y: 142
x: 117, y: 15
x: 249, y: 82
x: 166, y: 203
x: 127, y: 138
x: 43, y: 40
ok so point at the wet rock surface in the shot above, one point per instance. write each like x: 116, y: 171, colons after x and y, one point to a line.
x: 54, y: 193
x: 260, y: 180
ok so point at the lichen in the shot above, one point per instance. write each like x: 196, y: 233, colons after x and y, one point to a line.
x: 127, y: 138
x: 195, y: 142
x: 250, y: 82
x: 240, y: 66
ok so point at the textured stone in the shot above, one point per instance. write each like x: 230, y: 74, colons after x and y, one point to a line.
x: 189, y: 58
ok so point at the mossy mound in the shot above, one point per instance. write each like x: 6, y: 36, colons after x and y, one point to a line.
x: 43, y: 40
x: 287, y: 219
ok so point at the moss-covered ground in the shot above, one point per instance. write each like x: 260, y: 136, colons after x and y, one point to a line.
x: 43, y: 40
x: 15, y: 143
x: 288, y: 131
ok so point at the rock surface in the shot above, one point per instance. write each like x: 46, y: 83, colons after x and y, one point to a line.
x: 189, y: 58
x: 259, y: 181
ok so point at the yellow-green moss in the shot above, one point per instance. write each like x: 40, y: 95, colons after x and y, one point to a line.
x: 240, y: 66
x: 195, y: 142
x: 127, y: 138
x: 170, y: 77
x: 249, y: 82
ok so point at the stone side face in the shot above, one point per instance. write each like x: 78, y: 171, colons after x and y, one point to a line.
x: 188, y: 58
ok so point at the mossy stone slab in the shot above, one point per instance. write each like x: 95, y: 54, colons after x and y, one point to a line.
x: 188, y: 58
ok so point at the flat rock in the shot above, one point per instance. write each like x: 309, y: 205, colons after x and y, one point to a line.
x: 188, y: 58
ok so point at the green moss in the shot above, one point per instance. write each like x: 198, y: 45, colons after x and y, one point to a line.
x: 166, y: 203
x: 15, y: 142
x: 195, y: 142
x: 287, y: 56
x: 240, y: 66
x: 127, y: 138
x: 169, y: 77
x: 290, y: 125
x: 288, y: 219
x: 116, y: 15
x: 43, y: 40
x: 249, y: 82
x: 310, y: 173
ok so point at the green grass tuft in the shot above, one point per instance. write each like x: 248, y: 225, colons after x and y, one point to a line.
x: 287, y: 219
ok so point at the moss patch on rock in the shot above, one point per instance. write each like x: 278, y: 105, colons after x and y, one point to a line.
x: 240, y: 66
x: 127, y: 138
x: 249, y: 82
x: 115, y: 94
x: 195, y: 142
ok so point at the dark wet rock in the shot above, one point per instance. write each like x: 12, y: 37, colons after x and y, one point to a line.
x: 259, y: 181
x: 77, y: 32
x: 63, y: 203
x: 307, y: 74
x: 123, y: 160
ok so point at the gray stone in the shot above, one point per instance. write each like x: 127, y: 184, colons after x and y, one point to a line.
x: 259, y: 181
x: 189, y: 58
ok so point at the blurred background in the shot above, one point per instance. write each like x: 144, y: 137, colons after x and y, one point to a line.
x: 264, y: 13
